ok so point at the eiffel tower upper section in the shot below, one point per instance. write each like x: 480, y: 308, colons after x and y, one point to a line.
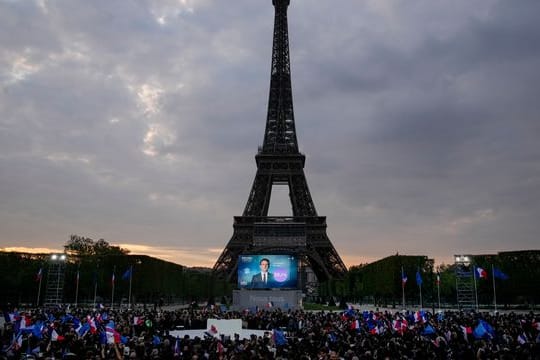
x: 279, y: 160
x: 280, y: 133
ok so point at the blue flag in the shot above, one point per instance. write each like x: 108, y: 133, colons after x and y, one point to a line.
x: 76, y: 322
x: 37, y: 329
x: 428, y: 330
x: 480, y: 331
x: 332, y: 337
x: 279, y: 337
x: 349, y: 312
x: 489, y: 328
x: 498, y: 274
x: 483, y: 329
x: 440, y: 316
x: 83, y: 329
x: 127, y: 274
x: 177, y: 350
x: 418, y: 278
x: 103, y: 337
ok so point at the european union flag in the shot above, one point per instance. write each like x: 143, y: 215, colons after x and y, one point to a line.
x: 418, y: 278
x: 127, y: 274
x: 279, y: 337
x: 498, y: 274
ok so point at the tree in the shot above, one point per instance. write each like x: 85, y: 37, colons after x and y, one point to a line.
x: 83, y: 246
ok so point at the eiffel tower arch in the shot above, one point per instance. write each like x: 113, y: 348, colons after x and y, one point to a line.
x: 279, y: 162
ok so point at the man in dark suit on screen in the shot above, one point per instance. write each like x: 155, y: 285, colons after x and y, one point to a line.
x: 264, y: 279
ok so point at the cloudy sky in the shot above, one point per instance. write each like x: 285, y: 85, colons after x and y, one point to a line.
x: 138, y: 122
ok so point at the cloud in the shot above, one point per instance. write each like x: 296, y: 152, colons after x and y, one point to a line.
x: 138, y: 122
x: 189, y: 256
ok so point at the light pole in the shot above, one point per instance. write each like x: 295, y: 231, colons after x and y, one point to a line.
x: 465, y: 282
x: 55, y: 278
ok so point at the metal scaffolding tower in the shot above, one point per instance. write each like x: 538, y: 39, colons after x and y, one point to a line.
x: 54, y: 291
x: 466, y: 294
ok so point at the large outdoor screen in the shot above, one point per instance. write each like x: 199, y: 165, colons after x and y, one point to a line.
x: 267, y: 271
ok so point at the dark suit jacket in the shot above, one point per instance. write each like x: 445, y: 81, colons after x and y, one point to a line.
x: 257, y: 283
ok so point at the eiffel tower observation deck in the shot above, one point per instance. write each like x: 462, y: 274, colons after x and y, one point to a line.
x: 279, y: 162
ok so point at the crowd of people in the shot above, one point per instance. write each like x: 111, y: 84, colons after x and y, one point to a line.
x: 78, y: 333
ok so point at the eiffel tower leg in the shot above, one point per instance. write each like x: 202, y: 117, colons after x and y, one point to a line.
x: 301, y: 201
x: 322, y: 252
x: 259, y: 197
x: 227, y: 263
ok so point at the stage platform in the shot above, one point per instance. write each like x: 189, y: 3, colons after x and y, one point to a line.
x: 267, y: 299
x: 218, y: 328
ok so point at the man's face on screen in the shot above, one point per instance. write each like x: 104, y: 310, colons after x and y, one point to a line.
x: 264, y: 265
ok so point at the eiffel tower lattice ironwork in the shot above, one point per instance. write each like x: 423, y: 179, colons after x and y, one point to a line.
x: 279, y: 162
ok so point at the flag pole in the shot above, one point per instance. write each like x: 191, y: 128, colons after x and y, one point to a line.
x: 112, y: 288
x: 439, y: 290
x: 420, y: 286
x: 475, y: 289
x: 130, y: 279
x: 77, y: 287
x: 419, y: 282
x: 494, y: 293
x: 402, y: 288
x: 95, y: 285
x: 39, y: 289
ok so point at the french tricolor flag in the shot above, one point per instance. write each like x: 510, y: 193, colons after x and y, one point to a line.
x: 13, y: 317
x: 138, y: 320
x: 39, y: 274
x: 92, y: 323
x: 466, y: 330
x: 419, y: 316
x: 481, y: 273
x: 113, y: 337
x: 403, y: 278
x: 56, y: 337
x: 26, y: 323
x: 355, y: 325
x: 400, y: 325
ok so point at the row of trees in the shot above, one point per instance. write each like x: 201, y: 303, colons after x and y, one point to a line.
x: 91, y: 264
x: 380, y: 282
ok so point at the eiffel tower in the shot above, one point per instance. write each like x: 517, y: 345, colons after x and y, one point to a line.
x: 279, y: 162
